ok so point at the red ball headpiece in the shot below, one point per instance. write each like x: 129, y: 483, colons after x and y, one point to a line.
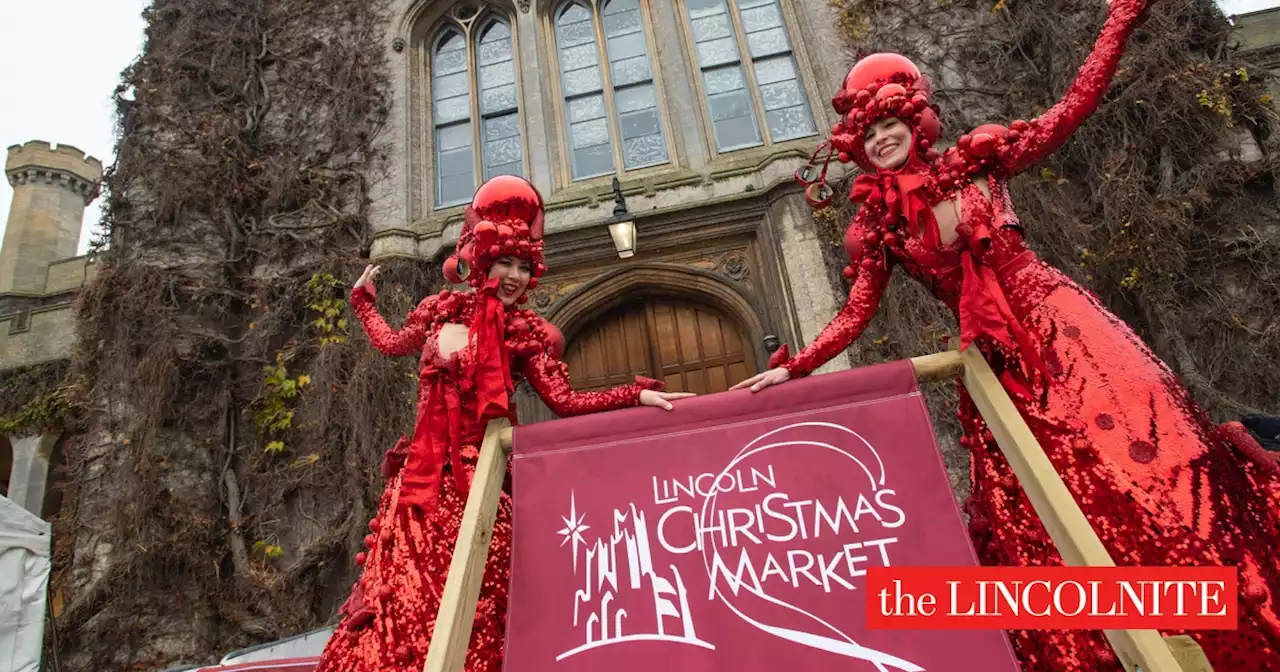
x: 877, y: 87
x: 505, y: 219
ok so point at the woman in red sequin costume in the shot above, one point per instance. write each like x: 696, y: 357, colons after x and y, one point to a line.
x: 1160, y: 484
x: 472, y: 345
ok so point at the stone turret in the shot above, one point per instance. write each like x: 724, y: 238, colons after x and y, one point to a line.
x: 51, y: 188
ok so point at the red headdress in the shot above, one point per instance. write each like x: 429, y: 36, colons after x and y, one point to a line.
x: 881, y: 86
x: 505, y: 219
x: 878, y: 87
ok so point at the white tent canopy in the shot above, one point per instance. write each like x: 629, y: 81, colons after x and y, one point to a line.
x: 25, y: 562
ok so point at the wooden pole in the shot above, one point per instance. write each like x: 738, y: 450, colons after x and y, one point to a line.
x: 938, y: 366
x: 1188, y: 654
x: 1075, y: 539
x: 448, y: 652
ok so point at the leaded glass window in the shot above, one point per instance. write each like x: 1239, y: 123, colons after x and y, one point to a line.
x: 722, y: 31
x: 606, y: 78
x: 474, y: 107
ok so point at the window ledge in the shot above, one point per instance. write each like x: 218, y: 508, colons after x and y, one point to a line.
x: 600, y: 189
x: 429, y: 234
x: 744, y: 161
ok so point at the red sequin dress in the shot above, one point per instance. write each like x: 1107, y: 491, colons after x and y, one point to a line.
x: 388, y: 620
x: 1160, y: 484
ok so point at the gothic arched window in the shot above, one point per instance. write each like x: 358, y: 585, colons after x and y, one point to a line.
x: 612, y: 117
x: 738, y: 97
x: 475, y: 107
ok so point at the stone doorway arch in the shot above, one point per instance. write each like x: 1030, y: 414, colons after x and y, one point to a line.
x: 604, y: 293
x: 686, y: 327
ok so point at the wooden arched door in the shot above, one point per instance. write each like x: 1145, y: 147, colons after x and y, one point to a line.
x: 690, y: 347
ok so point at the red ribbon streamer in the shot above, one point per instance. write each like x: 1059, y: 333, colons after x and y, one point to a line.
x: 437, y: 432
x: 493, y: 370
x: 440, y: 426
x: 985, y: 311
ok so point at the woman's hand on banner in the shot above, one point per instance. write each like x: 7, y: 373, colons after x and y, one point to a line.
x: 762, y: 380
x: 661, y: 399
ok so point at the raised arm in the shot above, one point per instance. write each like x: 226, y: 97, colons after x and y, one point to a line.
x: 1046, y: 133
x: 402, y: 343
x: 550, y: 379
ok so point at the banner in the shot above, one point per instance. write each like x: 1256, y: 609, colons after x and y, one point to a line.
x: 735, y: 533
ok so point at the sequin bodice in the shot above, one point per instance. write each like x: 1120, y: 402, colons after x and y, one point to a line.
x: 459, y: 394
x: 433, y: 361
x: 939, y: 267
x: 973, y: 275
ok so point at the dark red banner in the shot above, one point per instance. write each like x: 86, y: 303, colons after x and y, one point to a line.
x: 736, y: 533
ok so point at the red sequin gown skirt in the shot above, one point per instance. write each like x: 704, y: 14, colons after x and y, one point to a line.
x: 388, y: 621
x: 1159, y: 483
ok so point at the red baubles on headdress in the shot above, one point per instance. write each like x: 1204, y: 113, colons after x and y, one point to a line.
x: 505, y: 219
x: 878, y: 87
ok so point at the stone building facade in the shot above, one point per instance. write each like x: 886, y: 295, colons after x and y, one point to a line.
x: 39, y: 276
x: 702, y: 110
x: 1259, y: 36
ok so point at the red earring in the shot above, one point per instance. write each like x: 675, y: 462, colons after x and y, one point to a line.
x: 456, y: 270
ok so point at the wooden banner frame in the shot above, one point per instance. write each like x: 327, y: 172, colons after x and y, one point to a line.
x: 1137, y: 650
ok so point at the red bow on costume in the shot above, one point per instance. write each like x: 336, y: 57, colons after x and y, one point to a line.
x: 984, y: 310
x: 437, y: 432
x: 902, y: 196
x: 440, y: 426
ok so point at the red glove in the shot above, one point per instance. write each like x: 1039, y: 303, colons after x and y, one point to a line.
x: 395, y: 458
x: 780, y: 356
x: 357, y: 613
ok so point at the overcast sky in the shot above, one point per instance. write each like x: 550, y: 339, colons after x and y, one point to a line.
x: 62, y: 60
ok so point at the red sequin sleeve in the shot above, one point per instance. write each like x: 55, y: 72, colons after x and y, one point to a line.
x: 846, y: 327
x: 550, y: 379
x: 402, y: 343
x: 1049, y: 131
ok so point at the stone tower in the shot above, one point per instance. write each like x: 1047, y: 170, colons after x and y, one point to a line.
x: 51, y: 187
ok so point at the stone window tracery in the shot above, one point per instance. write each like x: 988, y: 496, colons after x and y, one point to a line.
x: 475, y: 104
x: 741, y: 92
x: 612, y: 118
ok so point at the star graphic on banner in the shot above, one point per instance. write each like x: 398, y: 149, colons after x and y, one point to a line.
x: 573, y: 529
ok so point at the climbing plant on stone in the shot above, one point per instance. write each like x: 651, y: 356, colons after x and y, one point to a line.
x: 1164, y: 202
x: 217, y: 410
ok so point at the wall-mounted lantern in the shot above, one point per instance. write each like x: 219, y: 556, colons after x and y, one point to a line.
x: 622, y: 225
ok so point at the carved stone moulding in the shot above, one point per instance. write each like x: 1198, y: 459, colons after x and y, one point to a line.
x: 734, y: 266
